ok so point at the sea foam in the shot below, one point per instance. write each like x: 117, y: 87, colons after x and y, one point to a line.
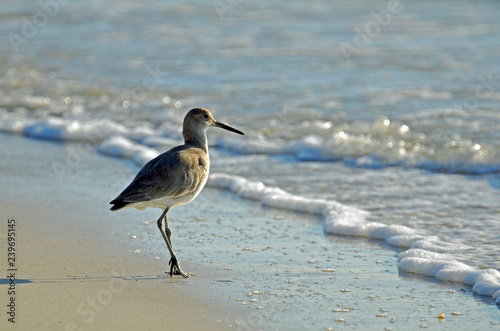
x: 56, y: 128
x: 367, y: 151
x: 374, y: 145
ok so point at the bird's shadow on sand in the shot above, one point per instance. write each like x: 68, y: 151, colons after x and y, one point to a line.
x: 166, y: 277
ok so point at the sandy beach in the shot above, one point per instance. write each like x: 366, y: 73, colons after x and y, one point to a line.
x: 76, y: 269
x: 81, y: 267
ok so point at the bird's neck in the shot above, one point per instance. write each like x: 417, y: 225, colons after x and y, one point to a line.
x: 196, y: 138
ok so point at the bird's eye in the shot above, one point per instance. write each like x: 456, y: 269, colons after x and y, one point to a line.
x: 205, y: 116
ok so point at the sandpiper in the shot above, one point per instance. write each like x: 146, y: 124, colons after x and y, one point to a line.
x: 175, y: 177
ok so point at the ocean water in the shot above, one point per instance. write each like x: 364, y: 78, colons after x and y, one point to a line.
x: 382, y: 117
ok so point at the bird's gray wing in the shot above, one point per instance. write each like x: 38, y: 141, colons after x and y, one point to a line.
x: 172, y: 174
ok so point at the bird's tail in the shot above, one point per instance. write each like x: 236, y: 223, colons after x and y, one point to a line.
x: 118, y: 204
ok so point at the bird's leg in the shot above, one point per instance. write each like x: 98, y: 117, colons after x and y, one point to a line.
x: 168, y: 231
x: 174, y: 264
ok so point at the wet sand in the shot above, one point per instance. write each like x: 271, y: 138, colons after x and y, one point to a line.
x: 81, y: 267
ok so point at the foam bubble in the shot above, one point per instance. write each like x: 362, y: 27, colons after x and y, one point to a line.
x: 435, y: 245
x: 121, y: 147
x: 445, y: 268
x: 56, y: 128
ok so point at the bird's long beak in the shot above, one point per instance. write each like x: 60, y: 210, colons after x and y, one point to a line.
x: 227, y: 127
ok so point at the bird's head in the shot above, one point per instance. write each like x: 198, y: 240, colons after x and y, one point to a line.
x: 201, y: 119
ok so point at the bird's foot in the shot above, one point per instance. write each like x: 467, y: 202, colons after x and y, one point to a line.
x: 175, y: 268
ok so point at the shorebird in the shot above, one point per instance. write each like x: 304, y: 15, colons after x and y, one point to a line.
x: 174, y: 178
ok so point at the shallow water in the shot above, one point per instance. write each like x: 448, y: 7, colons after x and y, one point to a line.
x: 404, y: 124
